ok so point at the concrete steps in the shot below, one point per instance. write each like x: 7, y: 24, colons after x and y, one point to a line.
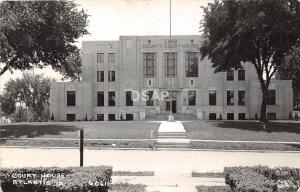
x: 172, y: 139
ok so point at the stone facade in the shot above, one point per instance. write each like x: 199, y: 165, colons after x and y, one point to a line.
x: 142, y: 63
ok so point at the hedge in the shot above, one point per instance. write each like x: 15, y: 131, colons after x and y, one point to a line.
x: 72, y: 179
x: 262, y: 179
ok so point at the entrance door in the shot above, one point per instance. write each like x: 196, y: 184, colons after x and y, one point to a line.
x: 168, y: 106
x: 174, y: 106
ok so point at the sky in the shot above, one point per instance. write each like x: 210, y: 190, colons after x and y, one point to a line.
x: 109, y: 19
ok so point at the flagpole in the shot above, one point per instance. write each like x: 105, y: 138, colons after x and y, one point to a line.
x: 171, y: 116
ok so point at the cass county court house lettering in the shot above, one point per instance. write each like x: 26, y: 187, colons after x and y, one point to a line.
x: 145, y: 64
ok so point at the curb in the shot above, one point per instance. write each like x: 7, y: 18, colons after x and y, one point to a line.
x: 148, y: 149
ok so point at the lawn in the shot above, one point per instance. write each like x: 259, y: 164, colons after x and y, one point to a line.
x: 92, y: 130
x: 242, y: 130
x: 65, y: 134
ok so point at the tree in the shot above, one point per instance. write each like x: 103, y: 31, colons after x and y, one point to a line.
x: 8, y: 104
x: 250, y: 32
x: 73, y: 69
x: 31, y: 90
x: 40, y: 33
x: 291, y: 71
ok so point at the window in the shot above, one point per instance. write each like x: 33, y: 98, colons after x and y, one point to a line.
x: 271, y: 116
x: 271, y: 97
x: 241, y: 75
x: 100, y: 57
x: 111, y: 76
x: 111, y: 98
x: 129, y: 101
x: 129, y: 117
x: 230, y: 75
x: 100, y: 76
x: 170, y: 64
x: 149, y: 64
x: 192, y: 98
x: 212, y: 97
x: 191, y: 64
x: 71, y: 117
x: 241, y: 95
x: 212, y: 116
x: 100, y: 98
x: 230, y: 97
x: 242, y: 116
x: 230, y: 116
x: 71, y: 98
x: 150, y: 101
x: 100, y: 117
x: 111, y: 117
x: 111, y: 57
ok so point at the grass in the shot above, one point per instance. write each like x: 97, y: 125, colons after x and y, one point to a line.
x: 92, y: 129
x: 125, y: 187
x: 130, y: 173
x: 75, y: 143
x: 201, y: 188
x: 208, y: 174
x: 242, y: 130
x: 245, y: 146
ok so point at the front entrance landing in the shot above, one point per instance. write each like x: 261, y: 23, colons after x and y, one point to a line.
x: 172, y: 135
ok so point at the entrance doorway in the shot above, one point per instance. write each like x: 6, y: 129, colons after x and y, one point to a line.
x: 168, y: 106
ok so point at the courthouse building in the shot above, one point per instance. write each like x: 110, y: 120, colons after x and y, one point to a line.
x: 114, y: 71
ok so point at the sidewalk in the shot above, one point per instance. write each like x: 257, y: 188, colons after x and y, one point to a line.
x: 173, y: 126
x: 172, y: 169
x: 170, y: 183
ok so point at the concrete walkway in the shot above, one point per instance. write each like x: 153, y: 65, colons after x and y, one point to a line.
x: 171, y: 126
x: 170, y: 183
x: 172, y: 169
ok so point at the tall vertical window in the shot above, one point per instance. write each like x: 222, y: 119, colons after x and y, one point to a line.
x: 170, y: 64
x: 129, y: 101
x: 241, y: 97
x: 212, y: 97
x: 241, y: 75
x: 271, y: 97
x: 191, y: 64
x: 150, y: 101
x: 100, y: 98
x: 100, y: 57
x: 71, y: 98
x: 230, y: 97
x: 230, y: 75
x: 111, y: 98
x: 100, y: 76
x: 149, y: 60
x: 111, y: 76
x: 192, y: 98
x: 111, y: 57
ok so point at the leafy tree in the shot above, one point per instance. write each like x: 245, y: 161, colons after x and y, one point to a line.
x: 40, y: 33
x: 7, y: 104
x: 291, y: 70
x: 73, y: 69
x: 31, y: 90
x: 251, y: 32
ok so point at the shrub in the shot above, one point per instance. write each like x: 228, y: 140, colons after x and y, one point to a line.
x: 262, y: 178
x: 81, y: 179
x: 52, y: 117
